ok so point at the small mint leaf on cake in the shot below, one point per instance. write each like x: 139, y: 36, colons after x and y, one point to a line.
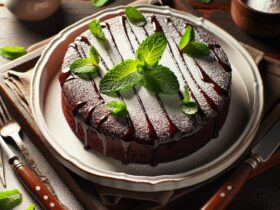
x: 118, y: 108
x: 186, y: 98
x: 84, y: 68
x: 12, y: 52
x: 193, y: 48
x: 135, y: 16
x: 120, y: 78
x: 197, y: 49
x: 190, y: 108
x: 151, y: 50
x: 96, y: 30
x: 94, y: 56
x: 186, y: 38
x: 161, y: 80
x: 99, y: 3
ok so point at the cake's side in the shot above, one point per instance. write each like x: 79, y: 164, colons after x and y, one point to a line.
x: 155, y: 130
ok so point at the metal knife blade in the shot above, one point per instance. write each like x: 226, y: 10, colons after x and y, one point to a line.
x: 268, y: 144
x: 2, y: 169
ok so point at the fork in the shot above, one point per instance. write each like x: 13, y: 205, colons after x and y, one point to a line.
x: 10, y: 128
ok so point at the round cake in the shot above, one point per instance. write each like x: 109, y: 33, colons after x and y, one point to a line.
x: 154, y: 130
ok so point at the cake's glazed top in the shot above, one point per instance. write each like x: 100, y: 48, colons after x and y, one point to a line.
x: 151, y: 118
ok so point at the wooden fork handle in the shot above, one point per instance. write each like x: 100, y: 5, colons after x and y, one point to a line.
x: 36, y: 187
x: 226, y: 193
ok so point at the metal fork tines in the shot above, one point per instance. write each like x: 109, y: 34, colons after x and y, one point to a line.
x: 10, y: 128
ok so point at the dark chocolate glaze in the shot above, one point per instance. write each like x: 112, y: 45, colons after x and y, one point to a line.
x: 105, y: 128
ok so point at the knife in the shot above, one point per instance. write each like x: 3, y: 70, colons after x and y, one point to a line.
x: 2, y: 169
x: 31, y: 182
x: 260, y: 153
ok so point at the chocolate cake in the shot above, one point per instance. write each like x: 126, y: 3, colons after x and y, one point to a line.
x: 154, y: 130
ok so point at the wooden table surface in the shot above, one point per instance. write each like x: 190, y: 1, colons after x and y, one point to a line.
x: 17, y: 32
x: 261, y: 191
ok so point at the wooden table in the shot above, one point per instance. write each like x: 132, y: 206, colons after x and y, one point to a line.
x: 261, y: 193
x: 17, y: 32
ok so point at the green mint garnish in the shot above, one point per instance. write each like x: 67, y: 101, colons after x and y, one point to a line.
x: 118, y: 108
x: 197, y: 49
x: 31, y: 207
x: 186, y: 98
x: 186, y: 38
x: 151, y: 49
x: 12, y: 52
x: 191, y: 47
x: 99, y: 3
x: 86, y: 67
x: 10, y: 199
x: 188, y: 107
x: 135, y: 16
x: 144, y: 70
x: 94, y: 56
x: 121, y: 77
x: 205, y: 1
x: 161, y: 79
x: 96, y: 30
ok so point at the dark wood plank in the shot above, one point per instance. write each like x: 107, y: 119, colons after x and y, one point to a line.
x: 18, y: 32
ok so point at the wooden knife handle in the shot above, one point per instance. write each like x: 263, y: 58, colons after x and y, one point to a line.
x: 226, y: 193
x: 36, y: 187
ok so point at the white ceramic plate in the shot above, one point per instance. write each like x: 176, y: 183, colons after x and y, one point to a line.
x: 236, y: 135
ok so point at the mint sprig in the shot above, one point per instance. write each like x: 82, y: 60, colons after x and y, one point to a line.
x: 94, y: 56
x: 99, y: 3
x: 86, y: 67
x: 12, y: 52
x: 205, y: 1
x: 186, y: 38
x: 197, y: 49
x: 151, y: 50
x: 96, y: 30
x: 135, y: 16
x: 193, y: 48
x: 143, y: 70
x: 120, y: 78
x: 31, y: 207
x: 188, y: 107
x: 118, y: 108
x: 161, y: 79
x: 10, y: 199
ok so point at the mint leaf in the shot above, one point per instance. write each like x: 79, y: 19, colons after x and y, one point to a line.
x: 12, y: 52
x: 161, y: 80
x: 135, y: 16
x: 99, y: 3
x: 31, y: 207
x: 84, y: 68
x: 197, y: 49
x: 94, y: 56
x: 205, y: 1
x: 189, y: 108
x: 187, y: 37
x: 151, y: 50
x: 118, y: 108
x: 186, y: 98
x: 121, y: 77
x: 10, y: 199
x: 96, y: 30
